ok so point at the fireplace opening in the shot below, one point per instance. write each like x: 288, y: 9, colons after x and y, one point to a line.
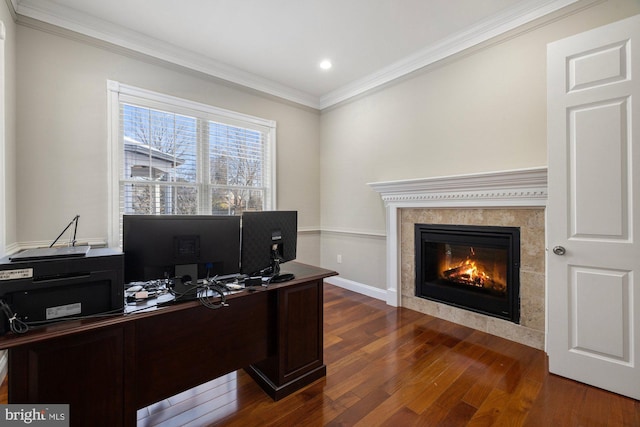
x: 472, y: 267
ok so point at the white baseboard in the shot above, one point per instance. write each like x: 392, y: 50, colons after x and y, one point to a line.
x: 360, y: 288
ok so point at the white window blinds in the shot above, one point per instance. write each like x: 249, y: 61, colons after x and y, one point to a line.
x: 176, y: 157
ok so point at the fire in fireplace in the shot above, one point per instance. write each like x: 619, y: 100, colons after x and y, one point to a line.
x: 483, y: 269
x: 472, y: 267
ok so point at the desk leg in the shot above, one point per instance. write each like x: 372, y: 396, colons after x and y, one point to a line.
x: 297, y: 361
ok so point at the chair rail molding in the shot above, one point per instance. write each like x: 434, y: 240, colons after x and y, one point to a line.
x: 510, y: 188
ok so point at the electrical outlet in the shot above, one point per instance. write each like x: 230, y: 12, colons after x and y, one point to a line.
x: 339, y: 259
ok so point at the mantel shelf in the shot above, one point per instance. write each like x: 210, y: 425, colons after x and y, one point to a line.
x: 522, y: 187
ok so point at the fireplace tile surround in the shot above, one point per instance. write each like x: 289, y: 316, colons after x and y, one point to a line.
x: 530, y: 331
x: 514, y: 198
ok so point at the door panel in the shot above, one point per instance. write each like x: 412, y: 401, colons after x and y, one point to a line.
x: 589, y: 157
x: 603, y: 65
x: 598, y: 290
x: 593, y: 297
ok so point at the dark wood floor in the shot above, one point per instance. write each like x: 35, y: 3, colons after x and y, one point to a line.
x: 395, y: 367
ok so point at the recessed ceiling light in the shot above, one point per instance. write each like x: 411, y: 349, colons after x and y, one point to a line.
x: 326, y: 64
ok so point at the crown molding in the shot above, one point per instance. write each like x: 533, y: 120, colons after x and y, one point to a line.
x: 12, y: 5
x: 509, y: 20
x: 69, y: 19
x: 516, y: 17
x: 520, y: 187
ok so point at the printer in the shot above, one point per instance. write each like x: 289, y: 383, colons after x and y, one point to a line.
x: 47, y: 289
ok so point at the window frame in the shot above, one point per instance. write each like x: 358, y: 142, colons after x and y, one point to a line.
x: 121, y: 93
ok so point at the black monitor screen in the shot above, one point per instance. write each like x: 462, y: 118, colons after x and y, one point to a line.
x: 267, y: 234
x: 200, y: 246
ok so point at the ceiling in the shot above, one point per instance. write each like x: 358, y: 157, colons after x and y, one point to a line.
x: 275, y: 46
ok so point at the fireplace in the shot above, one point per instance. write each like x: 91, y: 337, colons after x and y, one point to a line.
x: 471, y: 267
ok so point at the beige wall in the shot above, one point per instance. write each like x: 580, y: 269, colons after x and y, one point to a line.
x: 479, y: 112
x: 484, y: 111
x: 8, y: 168
x: 62, y: 134
x: 8, y: 205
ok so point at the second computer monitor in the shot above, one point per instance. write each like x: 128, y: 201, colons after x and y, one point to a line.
x: 269, y: 238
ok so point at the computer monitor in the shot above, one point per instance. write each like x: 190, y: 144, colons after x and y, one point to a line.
x: 269, y: 238
x: 198, y: 246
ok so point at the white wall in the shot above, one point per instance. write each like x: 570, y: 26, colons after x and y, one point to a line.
x: 479, y: 112
x: 8, y: 145
x: 62, y: 133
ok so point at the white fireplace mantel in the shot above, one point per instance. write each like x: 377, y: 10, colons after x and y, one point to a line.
x: 511, y: 188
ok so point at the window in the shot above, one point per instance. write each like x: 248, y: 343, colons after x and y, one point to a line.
x: 171, y: 156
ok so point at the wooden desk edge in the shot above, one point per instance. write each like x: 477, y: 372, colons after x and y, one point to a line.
x: 71, y: 327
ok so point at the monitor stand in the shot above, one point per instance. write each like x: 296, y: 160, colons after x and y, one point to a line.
x: 187, y: 271
x: 282, y: 277
x: 278, y: 277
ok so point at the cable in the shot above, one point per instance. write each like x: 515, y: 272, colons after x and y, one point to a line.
x: 16, y: 325
x: 210, y: 301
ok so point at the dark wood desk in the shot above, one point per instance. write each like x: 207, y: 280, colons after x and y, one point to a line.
x: 107, y: 369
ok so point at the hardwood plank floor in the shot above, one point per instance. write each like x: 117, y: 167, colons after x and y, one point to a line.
x: 395, y: 367
x: 391, y: 366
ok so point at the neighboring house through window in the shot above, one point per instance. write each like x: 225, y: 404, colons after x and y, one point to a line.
x: 170, y: 156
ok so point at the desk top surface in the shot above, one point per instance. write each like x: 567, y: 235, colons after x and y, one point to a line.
x: 303, y: 273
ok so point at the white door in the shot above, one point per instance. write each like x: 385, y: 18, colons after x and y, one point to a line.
x: 593, y: 215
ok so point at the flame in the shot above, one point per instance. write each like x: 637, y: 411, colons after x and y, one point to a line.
x: 469, y: 273
x: 472, y: 271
